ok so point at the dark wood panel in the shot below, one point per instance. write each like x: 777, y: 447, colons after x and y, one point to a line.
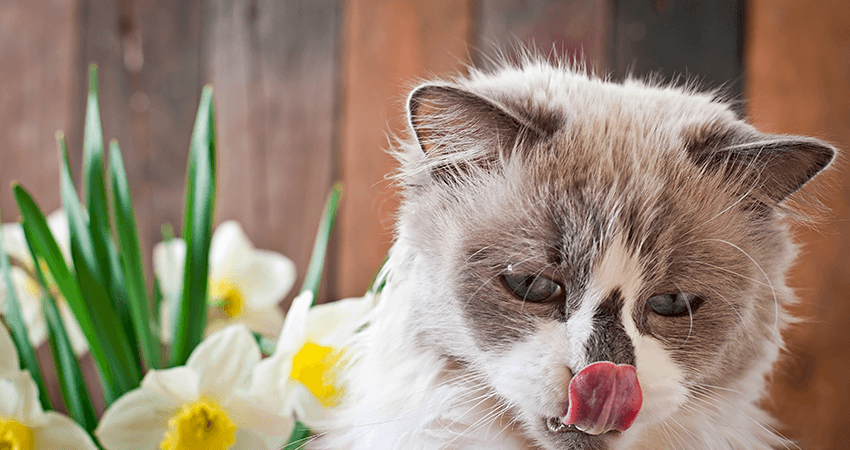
x: 387, y: 46
x: 797, y: 82
x: 701, y: 40
x: 576, y: 29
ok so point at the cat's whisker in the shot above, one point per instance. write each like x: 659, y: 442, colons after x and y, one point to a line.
x: 770, y: 283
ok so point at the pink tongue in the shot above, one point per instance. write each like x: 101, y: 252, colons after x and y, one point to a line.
x: 604, y: 397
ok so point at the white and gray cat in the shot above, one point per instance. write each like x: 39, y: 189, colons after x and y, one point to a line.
x: 578, y: 264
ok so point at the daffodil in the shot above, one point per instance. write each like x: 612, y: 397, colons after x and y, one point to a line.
x: 28, y: 289
x: 210, y: 403
x: 246, y: 284
x: 309, y: 354
x: 23, y: 424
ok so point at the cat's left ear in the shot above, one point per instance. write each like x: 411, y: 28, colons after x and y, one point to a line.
x: 776, y: 165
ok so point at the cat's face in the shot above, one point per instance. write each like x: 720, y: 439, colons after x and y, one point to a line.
x: 561, y: 221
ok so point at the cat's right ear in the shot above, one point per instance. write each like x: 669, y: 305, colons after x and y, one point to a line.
x: 447, y: 120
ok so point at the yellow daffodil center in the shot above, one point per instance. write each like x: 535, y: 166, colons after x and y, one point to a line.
x: 199, y: 425
x: 314, y: 366
x: 15, y: 436
x: 227, y: 297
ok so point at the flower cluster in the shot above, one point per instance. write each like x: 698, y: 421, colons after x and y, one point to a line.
x: 24, y: 425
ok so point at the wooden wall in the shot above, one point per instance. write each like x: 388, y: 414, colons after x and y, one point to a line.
x: 307, y: 90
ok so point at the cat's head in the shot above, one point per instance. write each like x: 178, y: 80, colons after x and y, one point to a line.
x: 559, y: 220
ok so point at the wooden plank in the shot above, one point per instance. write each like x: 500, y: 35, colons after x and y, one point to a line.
x: 38, y: 44
x: 293, y: 91
x: 701, y: 40
x: 797, y: 83
x: 577, y: 29
x: 387, y: 45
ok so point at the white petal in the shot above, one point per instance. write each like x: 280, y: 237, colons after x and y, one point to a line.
x: 14, y: 242
x: 309, y: 410
x: 230, y: 251
x: 224, y: 361
x: 295, y: 323
x: 28, y: 294
x: 266, y: 321
x: 169, y: 259
x: 19, y: 398
x: 268, y: 279
x: 137, y: 420
x: 177, y: 385
x: 8, y: 354
x: 249, y: 440
x: 59, y: 431
x: 249, y: 415
x: 57, y: 222
x: 333, y: 323
x: 72, y: 327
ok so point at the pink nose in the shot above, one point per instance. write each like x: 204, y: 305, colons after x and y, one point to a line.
x: 604, y: 397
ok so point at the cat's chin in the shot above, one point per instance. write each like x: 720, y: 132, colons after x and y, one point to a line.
x: 553, y: 434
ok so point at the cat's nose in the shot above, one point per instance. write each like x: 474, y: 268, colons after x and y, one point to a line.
x: 602, y: 397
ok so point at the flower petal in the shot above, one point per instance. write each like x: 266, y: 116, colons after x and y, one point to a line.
x: 333, y: 323
x: 249, y: 440
x: 177, y: 385
x: 14, y: 242
x: 8, y: 354
x: 137, y: 420
x: 72, y: 327
x: 294, y: 329
x: 57, y: 222
x: 60, y: 431
x: 266, y: 321
x: 224, y: 361
x: 268, y: 278
x: 19, y: 398
x: 230, y: 251
x: 270, y: 426
x: 169, y: 258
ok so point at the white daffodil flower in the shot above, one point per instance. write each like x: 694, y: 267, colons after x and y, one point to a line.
x: 246, y: 284
x: 209, y: 403
x: 23, y: 424
x: 308, y: 354
x: 27, y: 287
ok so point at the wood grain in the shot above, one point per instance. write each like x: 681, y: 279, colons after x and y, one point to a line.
x: 36, y: 96
x: 388, y: 45
x: 797, y: 82
x: 577, y: 29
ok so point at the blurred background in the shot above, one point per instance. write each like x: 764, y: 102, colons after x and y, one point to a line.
x: 306, y: 92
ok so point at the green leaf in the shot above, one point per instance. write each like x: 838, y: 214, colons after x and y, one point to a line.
x: 18, y: 329
x: 197, y: 232
x: 119, y: 360
x: 298, y: 438
x: 320, y: 245
x: 133, y: 267
x: 93, y: 159
x: 75, y: 394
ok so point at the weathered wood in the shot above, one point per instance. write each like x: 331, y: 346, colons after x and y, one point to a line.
x: 387, y: 45
x: 294, y: 93
x: 702, y: 41
x: 797, y: 83
x: 577, y: 29
x: 38, y: 53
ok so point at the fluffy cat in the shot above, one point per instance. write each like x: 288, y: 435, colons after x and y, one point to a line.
x: 552, y: 220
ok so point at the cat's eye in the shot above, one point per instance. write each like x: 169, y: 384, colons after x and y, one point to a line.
x: 673, y: 305
x: 532, y: 288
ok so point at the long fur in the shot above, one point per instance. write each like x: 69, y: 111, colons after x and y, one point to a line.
x: 635, y: 189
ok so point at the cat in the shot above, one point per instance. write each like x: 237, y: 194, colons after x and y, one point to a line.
x: 578, y: 264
